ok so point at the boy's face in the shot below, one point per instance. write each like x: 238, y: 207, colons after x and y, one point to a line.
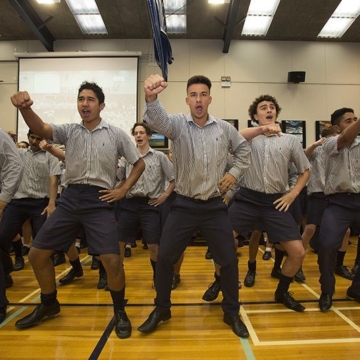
x: 347, y: 119
x: 34, y: 141
x: 198, y: 98
x: 88, y: 106
x: 140, y: 136
x: 265, y: 113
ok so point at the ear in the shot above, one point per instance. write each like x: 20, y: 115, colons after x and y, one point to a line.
x: 256, y: 118
x: 102, y: 106
x: 210, y: 99
x: 187, y: 100
x: 337, y: 128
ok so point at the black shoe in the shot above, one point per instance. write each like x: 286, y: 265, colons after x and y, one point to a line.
x: 59, y: 259
x: 238, y: 327
x: 212, y: 292
x: 153, y: 320
x: 266, y: 255
x: 102, y: 280
x: 25, y: 250
x: 351, y: 295
x: 71, y: 275
x: 275, y: 273
x: 127, y: 252
x: 94, y: 263
x: 249, y: 280
x: 9, y: 282
x: 40, y: 313
x: 122, y: 325
x: 325, y: 302
x: 344, y: 272
x: 208, y: 255
x: 299, y: 276
x: 355, y: 268
x: 19, y: 263
x: 176, y: 281
x: 289, y: 301
x: 2, y: 314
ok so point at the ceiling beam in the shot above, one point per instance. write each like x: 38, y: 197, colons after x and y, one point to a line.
x: 230, y: 24
x: 33, y: 20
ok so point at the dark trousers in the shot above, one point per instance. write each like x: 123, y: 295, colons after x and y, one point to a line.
x: 342, y: 210
x: 211, y: 219
x: 15, y: 214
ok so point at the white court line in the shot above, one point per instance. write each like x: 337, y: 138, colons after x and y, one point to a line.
x: 337, y: 311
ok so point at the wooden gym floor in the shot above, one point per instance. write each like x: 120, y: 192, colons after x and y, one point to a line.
x: 83, y: 330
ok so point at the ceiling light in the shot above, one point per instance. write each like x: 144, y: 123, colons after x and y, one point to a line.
x: 217, y: 2
x: 48, y: 1
x: 87, y: 16
x: 259, y: 17
x: 342, y: 18
x: 175, y: 16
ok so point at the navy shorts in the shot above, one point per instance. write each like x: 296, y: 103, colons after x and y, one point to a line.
x: 79, y: 207
x: 316, y: 208
x: 252, y: 208
x: 137, y: 213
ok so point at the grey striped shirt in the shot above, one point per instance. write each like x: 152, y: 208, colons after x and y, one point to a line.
x: 11, y: 167
x: 158, y: 169
x: 92, y: 156
x: 199, y: 154
x: 270, y: 159
x: 316, y: 182
x: 342, y: 166
x: 38, y: 167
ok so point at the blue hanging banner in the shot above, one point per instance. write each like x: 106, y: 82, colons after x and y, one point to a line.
x: 162, y: 46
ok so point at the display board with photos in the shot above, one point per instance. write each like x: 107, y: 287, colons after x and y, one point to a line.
x: 297, y: 128
x: 319, y: 126
x: 234, y: 122
x: 158, y: 141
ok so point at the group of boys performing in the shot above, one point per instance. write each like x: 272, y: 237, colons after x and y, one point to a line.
x: 201, y: 146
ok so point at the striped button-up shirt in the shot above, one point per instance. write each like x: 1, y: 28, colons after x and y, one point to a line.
x: 199, y: 153
x: 92, y: 156
x: 38, y: 167
x: 342, y: 166
x: 159, y: 170
x: 11, y: 167
x: 316, y: 182
x: 270, y: 159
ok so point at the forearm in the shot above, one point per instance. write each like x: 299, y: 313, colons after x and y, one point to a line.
x: 348, y: 135
x: 53, y: 189
x: 36, y: 124
x: 134, y: 175
x: 301, y: 182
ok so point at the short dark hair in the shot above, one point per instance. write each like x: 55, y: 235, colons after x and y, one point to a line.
x: 326, y: 131
x: 338, y: 114
x: 95, y: 88
x: 253, y: 107
x: 199, y: 79
x: 144, y: 125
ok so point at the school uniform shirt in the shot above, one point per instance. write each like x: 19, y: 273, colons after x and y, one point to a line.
x: 152, y: 182
x: 342, y: 172
x: 316, y: 181
x: 92, y: 156
x: 38, y: 167
x: 11, y: 167
x: 270, y: 160
x: 199, y: 153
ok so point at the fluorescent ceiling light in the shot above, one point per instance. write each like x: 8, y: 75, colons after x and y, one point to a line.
x: 259, y: 17
x: 87, y: 16
x: 217, y: 2
x: 342, y: 18
x: 48, y: 1
x: 175, y: 16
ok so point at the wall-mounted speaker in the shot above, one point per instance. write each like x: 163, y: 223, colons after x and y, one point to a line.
x: 296, y: 77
